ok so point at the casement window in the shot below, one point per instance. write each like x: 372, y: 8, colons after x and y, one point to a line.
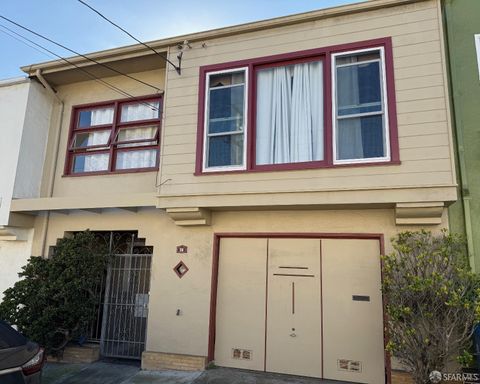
x: 120, y: 136
x: 320, y: 108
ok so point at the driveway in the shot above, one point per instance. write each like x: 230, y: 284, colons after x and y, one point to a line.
x: 124, y: 373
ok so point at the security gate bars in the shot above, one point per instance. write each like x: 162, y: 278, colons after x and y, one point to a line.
x: 121, y: 320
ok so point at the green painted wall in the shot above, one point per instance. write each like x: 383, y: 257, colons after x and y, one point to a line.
x: 462, y: 21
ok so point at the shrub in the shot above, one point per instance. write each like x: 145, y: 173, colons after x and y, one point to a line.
x: 432, y: 301
x: 53, y: 301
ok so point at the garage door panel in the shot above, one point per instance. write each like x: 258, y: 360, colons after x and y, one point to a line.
x: 294, y: 307
x: 241, y: 292
x: 352, y: 311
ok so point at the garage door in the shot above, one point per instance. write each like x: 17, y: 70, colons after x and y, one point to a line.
x: 309, y: 307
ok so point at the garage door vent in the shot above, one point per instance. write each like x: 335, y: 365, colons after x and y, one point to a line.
x: 241, y: 354
x: 346, y: 365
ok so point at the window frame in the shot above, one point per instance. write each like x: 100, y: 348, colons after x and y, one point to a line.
x: 477, y: 47
x: 113, y: 147
x: 325, y: 53
x: 384, y: 111
x: 242, y: 167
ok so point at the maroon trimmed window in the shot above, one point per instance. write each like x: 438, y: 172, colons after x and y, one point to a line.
x: 114, y: 137
x: 327, y: 107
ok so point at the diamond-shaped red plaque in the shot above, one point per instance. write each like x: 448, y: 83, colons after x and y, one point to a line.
x: 180, y: 269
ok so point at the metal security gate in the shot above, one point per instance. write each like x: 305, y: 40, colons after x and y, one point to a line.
x: 122, y: 312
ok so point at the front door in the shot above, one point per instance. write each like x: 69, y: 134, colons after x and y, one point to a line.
x: 294, y: 307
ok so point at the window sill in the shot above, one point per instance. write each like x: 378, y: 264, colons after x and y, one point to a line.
x: 298, y: 167
x: 137, y: 170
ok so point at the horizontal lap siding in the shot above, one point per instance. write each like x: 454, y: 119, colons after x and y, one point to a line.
x: 424, y: 138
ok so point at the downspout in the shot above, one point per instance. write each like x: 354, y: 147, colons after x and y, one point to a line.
x: 458, y: 124
x: 51, y: 181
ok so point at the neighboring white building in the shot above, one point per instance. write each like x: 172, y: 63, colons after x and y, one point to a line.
x: 25, y: 107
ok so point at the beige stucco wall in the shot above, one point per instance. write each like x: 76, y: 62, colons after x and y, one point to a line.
x: 422, y: 113
x: 188, y: 333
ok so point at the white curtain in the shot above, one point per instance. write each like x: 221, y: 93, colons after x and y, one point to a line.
x: 136, y: 159
x: 98, y: 138
x: 137, y: 133
x: 140, y: 111
x: 101, y: 116
x: 96, y: 162
x: 349, y: 131
x: 290, y: 114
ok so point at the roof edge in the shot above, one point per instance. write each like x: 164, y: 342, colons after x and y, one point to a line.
x: 162, y: 44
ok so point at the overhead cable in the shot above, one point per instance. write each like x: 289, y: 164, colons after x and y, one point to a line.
x: 78, y: 53
x: 177, y: 67
x: 92, y: 76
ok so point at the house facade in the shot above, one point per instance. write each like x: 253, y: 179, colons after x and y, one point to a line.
x: 26, y: 108
x: 463, y: 42
x: 249, y: 194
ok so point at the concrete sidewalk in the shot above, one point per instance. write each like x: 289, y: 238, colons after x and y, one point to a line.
x: 127, y: 373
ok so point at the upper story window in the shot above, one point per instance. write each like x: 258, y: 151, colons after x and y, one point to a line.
x: 360, y: 118
x: 319, y: 108
x: 120, y: 136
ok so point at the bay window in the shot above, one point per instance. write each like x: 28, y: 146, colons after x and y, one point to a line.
x: 113, y: 137
x: 324, y: 107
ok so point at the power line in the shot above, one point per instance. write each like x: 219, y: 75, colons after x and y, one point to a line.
x: 108, y: 85
x: 177, y: 67
x: 79, y: 54
x: 24, y: 42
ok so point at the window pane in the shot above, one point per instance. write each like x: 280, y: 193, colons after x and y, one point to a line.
x: 360, y: 138
x: 144, y: 110
x: 93, y: 117
x: 229, y: 78
x: 137, y: 133
x: 136, y: 159
x: 88, y: 139
x: 289, y: 115
x: 226, y: 109
x: 225, y: 150
x: 357, y: 58
x: 90, y: 162
x: 359, y: 89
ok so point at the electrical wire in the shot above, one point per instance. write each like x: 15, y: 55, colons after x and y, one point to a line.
x: 108, y: 85
x: 24, y: 42
x: 78, y: 53
x: 177, y: 68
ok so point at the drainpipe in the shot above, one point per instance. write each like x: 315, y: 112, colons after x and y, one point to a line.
x: 458, y: 126
x: 56, y: 146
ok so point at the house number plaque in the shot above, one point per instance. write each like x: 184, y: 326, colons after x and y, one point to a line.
x: 182, y: 249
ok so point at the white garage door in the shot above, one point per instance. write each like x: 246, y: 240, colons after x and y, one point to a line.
x: 309, y: 307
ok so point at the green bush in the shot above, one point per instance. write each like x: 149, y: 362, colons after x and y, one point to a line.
x: 52, y: 302
x: 432, y: 301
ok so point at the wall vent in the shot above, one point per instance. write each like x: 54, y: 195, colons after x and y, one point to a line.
x: 241, y: 354
x: 346, y: 365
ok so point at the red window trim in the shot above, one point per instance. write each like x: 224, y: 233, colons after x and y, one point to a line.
x: 306, y: 55
x: 112, y: 146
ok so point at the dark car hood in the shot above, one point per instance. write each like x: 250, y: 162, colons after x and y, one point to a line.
x: 17, y: 356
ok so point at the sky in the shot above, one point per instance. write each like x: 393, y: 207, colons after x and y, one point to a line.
x: 72, y: 24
